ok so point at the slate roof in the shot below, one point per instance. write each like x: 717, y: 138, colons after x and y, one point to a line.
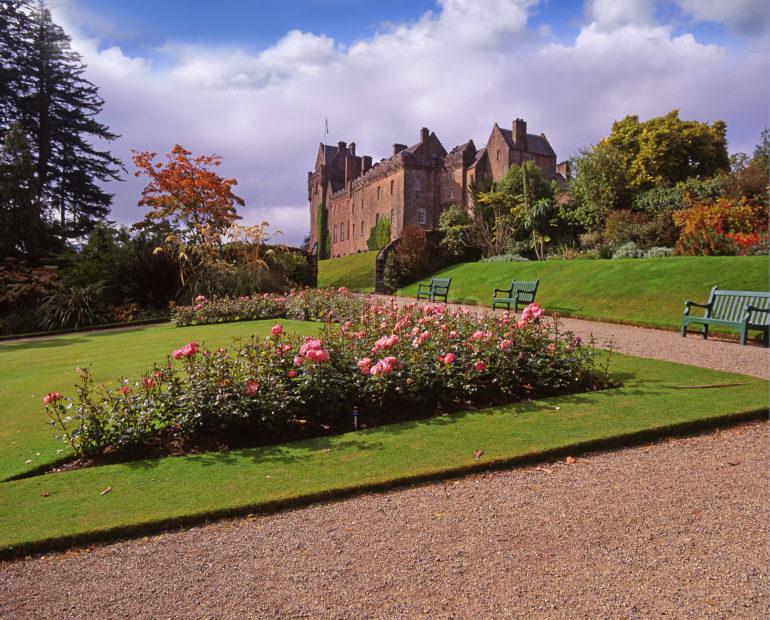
x: 535, y: 144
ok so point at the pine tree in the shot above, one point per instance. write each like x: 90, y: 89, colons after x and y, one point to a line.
x: 23, y: 230
x: 59, y: 111
x: 15, y: 45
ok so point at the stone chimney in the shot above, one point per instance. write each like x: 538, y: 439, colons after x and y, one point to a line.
x: 520, y: 134
x: 352, y: 148
x: 424, y: 133
x: 366, y: 162
x: 341, y: 147
x: 397, y: 148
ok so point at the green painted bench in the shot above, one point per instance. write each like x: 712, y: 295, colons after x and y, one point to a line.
x: 520, y: 292
x: 741, y: 310
x: 438, y: 288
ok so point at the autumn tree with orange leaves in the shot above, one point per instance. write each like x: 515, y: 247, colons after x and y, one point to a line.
x: 187, y: 192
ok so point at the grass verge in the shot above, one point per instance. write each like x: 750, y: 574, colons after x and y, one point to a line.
x: 355, y: 272
x: 31, y: 368
x: 649, y: 292
x: 57, y: 510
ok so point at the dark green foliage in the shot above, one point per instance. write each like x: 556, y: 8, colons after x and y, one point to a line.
x: 43, y: 87
x: 322, y: 232
x: 23, y: 229
x: 379, y: 236
x: 455, y: 224
x: 70, y: 306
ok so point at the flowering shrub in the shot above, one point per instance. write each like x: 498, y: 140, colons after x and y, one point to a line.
x: 709, y: 228
x: 302, y: 305
x: 390, y: 363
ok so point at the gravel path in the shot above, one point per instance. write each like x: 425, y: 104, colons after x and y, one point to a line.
x: 676, y: 529
x: 752, y: 359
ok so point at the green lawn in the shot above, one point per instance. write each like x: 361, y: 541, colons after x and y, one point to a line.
x: 47, y: 511
x: 355, y: 272
x: 648, y: 292
x: 31, y: 368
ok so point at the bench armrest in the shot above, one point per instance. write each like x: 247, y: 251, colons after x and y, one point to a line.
x: 425, y: 286
x: 501, y: 290
x: 690, y: 304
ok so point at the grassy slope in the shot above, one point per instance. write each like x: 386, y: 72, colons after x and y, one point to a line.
x: 647, y: 292
x: 161, y: 491
x: 355, y: 271
x: 31, y: 368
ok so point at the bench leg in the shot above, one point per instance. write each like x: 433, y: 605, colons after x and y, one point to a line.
x: 683, y: 331
x: 705, y: 332
x: 743, y: 335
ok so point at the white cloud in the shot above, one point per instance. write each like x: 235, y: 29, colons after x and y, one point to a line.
x: 613, y: 14
x: 745, y: 16
x: 456, y: 70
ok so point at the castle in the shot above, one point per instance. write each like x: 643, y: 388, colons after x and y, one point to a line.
x: 415, y: 184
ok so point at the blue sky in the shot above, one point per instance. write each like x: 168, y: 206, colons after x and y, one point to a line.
x: 254, y: 80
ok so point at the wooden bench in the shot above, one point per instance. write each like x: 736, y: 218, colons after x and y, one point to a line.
x: 438, y: 288
x: 520, y: 292
x: 741, y: 310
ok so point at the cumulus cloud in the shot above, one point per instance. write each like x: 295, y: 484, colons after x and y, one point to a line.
x: 744, y: 16
x: 457, y: 70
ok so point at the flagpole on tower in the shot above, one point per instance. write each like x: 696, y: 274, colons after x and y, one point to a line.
x: 326, y: 128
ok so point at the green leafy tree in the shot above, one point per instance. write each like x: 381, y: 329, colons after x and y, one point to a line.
x: 598, y: 186
x: 322, y: 232
x: 379, y: 236
x: 665, y: 150
x: 456, y: 226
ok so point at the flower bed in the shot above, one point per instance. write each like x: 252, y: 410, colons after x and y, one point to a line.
x: 302, y: 305
x: 387, y: 363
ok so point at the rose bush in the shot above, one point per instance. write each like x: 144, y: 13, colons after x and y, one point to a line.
x: 302, y: 305
x: 390, y: 363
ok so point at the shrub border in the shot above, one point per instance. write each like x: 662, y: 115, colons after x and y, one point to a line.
x: 83, y: 330
x: 613, y: 442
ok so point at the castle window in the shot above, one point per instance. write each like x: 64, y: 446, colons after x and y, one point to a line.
x: 342, y: 232
x: 349, y: 229
x: 391, y: 187
x: 421, y: 216
x: 378, y: 192
x: 452, y: 193
x: 354, y: 229
x: 362, y: 227
x: 376, y: 217
x: 392, y: 216
x: 417, y: 185
x: 335, y: 234
x: 497, y: 156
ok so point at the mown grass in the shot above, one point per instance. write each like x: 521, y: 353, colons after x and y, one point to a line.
x: 31, y: 368
x: 355, y: 272
x: 649, y: 292
x: 54, y: 510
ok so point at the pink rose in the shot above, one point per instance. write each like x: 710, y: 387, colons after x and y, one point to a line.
x: 149, y: 383
x: 52, y: 397
x: 449, y: 358
x: 531, y: 312
x: 123, y: 389
x: 298, y: 361
x: 291, y: 374
x: 504, y: 345
x: 188, y: 350
x: 479, y: 366
x: 277, y: 330
x: 365, y: 365
x: 342, y: 290
x: 252, y: 387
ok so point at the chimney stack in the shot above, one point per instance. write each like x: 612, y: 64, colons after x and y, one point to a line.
x: 424, y: 133
x: 520, y: 134
x: 366, y: 161
x: 341, y: 147
x: 352, y: 148
x: 397, y: 148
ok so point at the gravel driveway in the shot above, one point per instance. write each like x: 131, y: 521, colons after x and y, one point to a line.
x: 676, y: 529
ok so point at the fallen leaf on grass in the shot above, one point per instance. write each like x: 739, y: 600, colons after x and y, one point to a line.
x: 569, y: 460
x: 45, y: 494
x: 28, y: 461
x: 107, y: 490
x: 477, y: 454
x: 325, y: 450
